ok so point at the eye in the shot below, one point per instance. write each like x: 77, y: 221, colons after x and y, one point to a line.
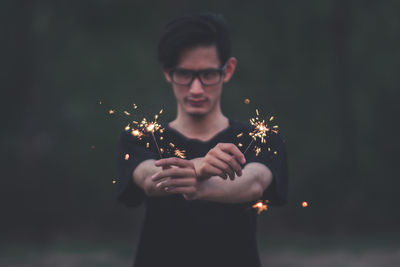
x: 183, y: 73
x: 210, y: 74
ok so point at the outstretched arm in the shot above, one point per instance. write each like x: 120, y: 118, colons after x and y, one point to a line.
x: 142, y: 177
x: 255, y: 178
x: 200, y: 178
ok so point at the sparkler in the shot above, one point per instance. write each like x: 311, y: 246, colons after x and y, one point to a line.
x: 261, y: 206
x: 147, y: 127
x: 261, y: 131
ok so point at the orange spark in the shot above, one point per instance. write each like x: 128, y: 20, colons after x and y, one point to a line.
x: 127, y: 113
x: 240, y: 145
x: 247, y: 101
x: 239, y: 135
x: 114, y: 181
x: 134, y: 106
x: 180, y: 153
x: 150, y: 128
x: 126, y: 156
x: 304, y: 204
x: 111, y: 111
x: 260, y: 206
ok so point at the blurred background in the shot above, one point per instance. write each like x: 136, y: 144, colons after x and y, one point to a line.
x: 328, y: 71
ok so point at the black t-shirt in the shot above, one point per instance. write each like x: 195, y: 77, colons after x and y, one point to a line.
x: 178, y: 232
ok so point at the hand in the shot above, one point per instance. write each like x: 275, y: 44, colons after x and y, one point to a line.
x: 178, y: 176
x: 223, y: 160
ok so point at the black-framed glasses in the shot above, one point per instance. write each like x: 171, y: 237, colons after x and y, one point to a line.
x: 207, y: 77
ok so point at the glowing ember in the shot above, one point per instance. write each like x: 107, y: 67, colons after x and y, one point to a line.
x: 127, y: 113
x: 147, y: 145
x: 127, y: 127
x: 137, y: 133
x: 114, y: 181
x: 111, y: 111
x: 239, y: 135
x: 240, y: 145
x: 247, y: 101
x: 304, y: 204
x: 126, y: 156
x: 134, y: 106
x: 260, y: 206
x: 261, y: 131
x: 171, y: 145
x: 150, y: 128
x: 275, y: 152
x: 100, y: 102
x: 180, y: 153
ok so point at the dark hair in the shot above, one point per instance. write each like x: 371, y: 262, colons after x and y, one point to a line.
x: 191, y: 31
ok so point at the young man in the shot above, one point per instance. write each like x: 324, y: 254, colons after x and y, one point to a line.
x: 198, y: 209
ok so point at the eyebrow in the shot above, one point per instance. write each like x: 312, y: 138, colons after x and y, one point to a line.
x: 196, y: 70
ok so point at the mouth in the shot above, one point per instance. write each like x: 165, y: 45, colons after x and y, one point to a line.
x: 196, y: 102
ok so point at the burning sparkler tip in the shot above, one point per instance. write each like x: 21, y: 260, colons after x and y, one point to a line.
x: 260, y: 206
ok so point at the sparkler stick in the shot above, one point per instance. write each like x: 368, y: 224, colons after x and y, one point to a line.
x: 247, y: 148
x: 155, y: 141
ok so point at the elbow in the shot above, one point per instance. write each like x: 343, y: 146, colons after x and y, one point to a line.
x: 256, y: 191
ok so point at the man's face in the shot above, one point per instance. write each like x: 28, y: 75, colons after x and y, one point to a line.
x: 197, y: 99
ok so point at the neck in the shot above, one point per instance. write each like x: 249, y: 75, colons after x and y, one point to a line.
x: 200, y: 127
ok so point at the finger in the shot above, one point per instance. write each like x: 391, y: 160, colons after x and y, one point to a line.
x: 174, y: 173
x: 221, y: 165
x: 233, y: 150
x: 231, y: 162
x: 173, y: 162
x: 211, y: 170
x: 184, y: 182
x: 181, y: 190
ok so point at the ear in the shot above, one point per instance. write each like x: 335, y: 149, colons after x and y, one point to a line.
x: 166, y: 75
x: 230, y: 69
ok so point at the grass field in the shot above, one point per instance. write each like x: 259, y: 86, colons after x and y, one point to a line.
x: 310, y: 251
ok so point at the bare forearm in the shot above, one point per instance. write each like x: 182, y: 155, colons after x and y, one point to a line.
x: 249, y: 187
x: 142, y: 177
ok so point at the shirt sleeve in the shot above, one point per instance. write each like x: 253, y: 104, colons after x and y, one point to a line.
x: 273, y: 155
x: 130, y: 153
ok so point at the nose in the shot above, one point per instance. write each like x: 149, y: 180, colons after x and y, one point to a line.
x: 196, y: 88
